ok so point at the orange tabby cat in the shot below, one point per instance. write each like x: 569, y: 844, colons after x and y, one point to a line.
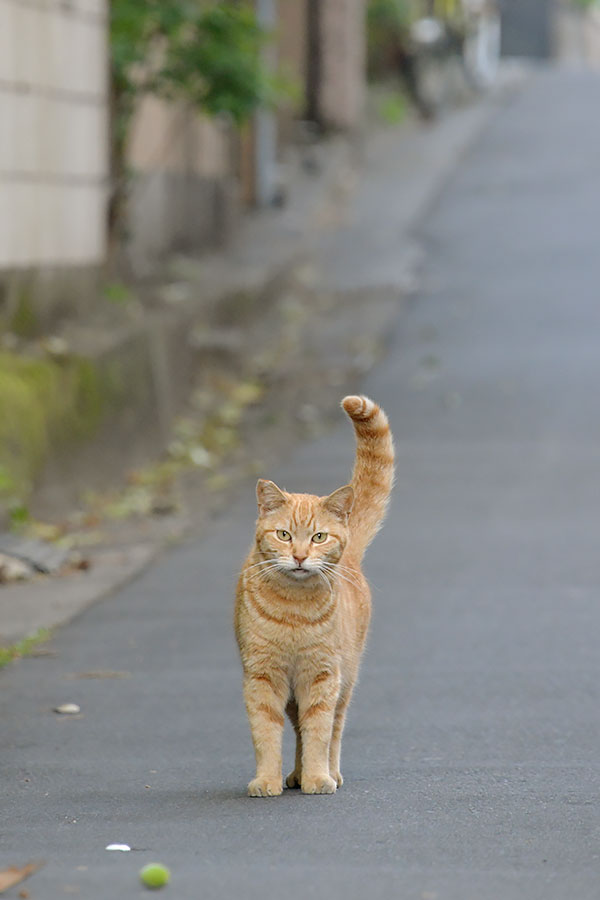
x: 302, y: 611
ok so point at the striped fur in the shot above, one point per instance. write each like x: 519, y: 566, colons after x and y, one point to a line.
x: 373, y: 475
x: 303, y: 607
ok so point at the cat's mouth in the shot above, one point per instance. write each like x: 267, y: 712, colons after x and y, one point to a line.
x: 299, y: 572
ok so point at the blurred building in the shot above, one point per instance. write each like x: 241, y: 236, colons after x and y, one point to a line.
x: 192, y: 177
x: 528, y: 28
x: 53, y: 153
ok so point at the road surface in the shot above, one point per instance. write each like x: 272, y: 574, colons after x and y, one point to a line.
x: 471, y: 757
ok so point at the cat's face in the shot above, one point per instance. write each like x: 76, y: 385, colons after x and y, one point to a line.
x: 301, y: 536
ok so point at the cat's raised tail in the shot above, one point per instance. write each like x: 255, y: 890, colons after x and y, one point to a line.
x: 373, y: 475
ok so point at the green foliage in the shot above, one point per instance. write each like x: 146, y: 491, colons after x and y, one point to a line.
x: 18, y: 516
x: 207, y: 55
x: 6, y: 481
x: 24, y: 648
x: 392, y: 108
x: 118, y: 293
x: 387, y: 24
x: 43, y: 402
x: 387, y: 14
x: 23, y: 322
x: 214, y: 61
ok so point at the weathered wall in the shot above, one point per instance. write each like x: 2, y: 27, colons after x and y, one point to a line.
x: 53, y: 137
x: 292, y: 55
x: 183, y: 194
x: 527, y: 28
x: 577, y: 35
x: 343, y: 85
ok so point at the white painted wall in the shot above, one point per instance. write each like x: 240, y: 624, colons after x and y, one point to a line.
x: 53, y: 132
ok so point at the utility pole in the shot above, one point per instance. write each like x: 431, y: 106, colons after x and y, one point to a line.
x: 265, y: 122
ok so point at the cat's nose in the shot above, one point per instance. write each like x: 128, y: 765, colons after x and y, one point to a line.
x: 299, y: 559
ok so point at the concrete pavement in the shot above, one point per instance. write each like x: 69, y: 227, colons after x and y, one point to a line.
x: 470, y: 758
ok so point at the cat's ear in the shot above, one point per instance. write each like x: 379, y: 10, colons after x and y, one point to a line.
x: 340, y: 502
x: 268, y: 496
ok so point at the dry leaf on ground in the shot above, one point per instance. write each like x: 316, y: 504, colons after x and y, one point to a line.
x: 12, y: 569
x: 16, y: 874
x: 100, y: 673
x: 67, y: 709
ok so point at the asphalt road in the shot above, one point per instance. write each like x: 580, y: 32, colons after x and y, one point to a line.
x: 471, y: 755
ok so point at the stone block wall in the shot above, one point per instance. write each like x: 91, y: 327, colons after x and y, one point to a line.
x: 53, y: 133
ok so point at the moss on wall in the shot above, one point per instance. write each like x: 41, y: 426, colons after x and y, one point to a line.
x: 43, y: 403
x: 23, y: 321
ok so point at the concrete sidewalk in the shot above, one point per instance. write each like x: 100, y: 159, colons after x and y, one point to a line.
x: 471, y: 753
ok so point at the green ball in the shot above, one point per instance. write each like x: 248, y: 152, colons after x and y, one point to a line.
x: 154, y: 875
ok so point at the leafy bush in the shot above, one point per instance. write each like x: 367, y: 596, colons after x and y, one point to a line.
x: 206, y: 54
x: 184, y: 49
x: 387, y: 23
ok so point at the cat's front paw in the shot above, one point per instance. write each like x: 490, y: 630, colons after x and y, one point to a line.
x: 319, y: 784
x: 265, y: 787
x: 293, y: 780
x: 337, y: 777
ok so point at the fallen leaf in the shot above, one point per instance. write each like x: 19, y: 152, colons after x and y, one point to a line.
x: 124, y: 848
x: 12, y: 569
x: 67, y: 709
x: 79, y: 539
x: 101, y: 673
x: 55, y: 346
x: 46, y: 531
x: 163, y: 506
x: 39, y: 555
x: 218, y: 482
x: 15, y: 875
x: 200, y: 456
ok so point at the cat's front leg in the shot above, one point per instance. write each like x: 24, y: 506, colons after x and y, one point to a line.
x: 316, y: 711
x: 265, y: 713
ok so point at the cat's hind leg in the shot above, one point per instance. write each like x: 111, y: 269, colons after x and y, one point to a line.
x: 335, y: 748
x: 294, y: 778
x: 317, y: 702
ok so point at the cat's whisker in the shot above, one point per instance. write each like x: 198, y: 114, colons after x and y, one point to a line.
x: 323, y: 576
x: 345, y: 578
x: 262, y: 562
x: 348, y: 581
x: 351, y: 573
x: 261, y: 572
x: 262, y: 576
x: 341, y: 570
x: 264, y: 573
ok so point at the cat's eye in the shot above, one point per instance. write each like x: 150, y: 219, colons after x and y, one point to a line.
x: 284, y: 535
x: 320, y: 537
